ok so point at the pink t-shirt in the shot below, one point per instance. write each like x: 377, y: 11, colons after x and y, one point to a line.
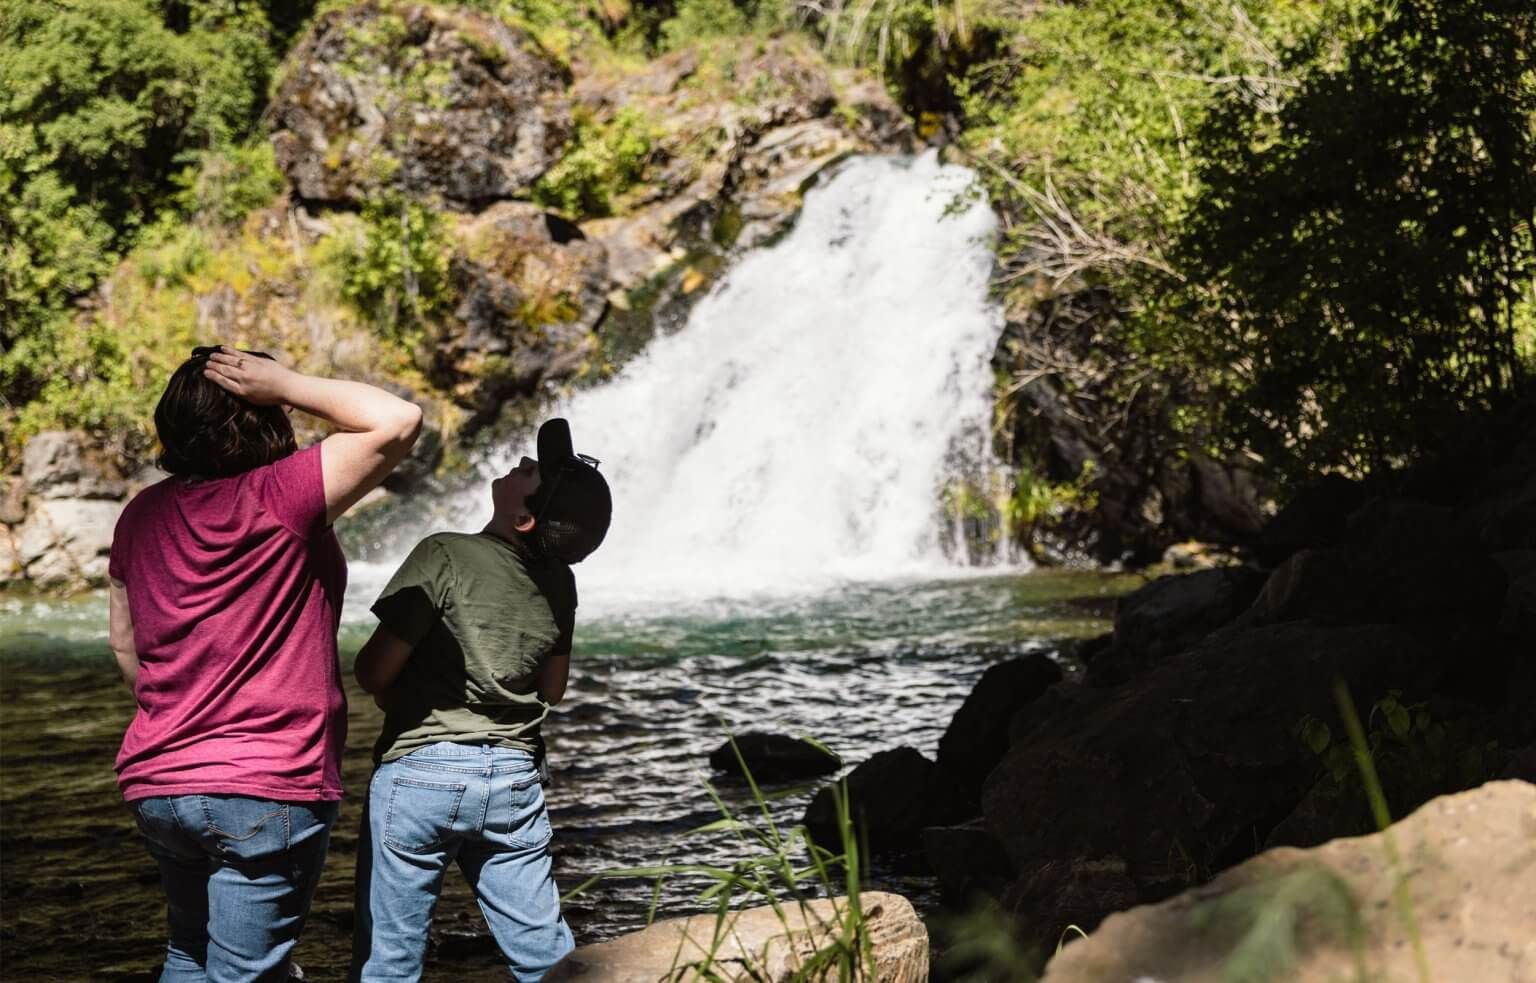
x: 235, y: 588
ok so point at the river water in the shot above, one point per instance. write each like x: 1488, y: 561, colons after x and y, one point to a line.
x: 862, y: 668
x: 779, y: 561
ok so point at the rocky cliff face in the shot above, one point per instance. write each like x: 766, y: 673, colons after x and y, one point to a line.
x: 467, y: 113
x: 428, y: 100
x: 388, y: 106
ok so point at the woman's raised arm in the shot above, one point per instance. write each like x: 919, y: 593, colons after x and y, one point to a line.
x: 377, y: 428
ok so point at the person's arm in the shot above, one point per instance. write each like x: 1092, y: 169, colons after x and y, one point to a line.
x: 553, y: 675
x: 120, y: 632
x: 380, y: 660
x: 377, y: 428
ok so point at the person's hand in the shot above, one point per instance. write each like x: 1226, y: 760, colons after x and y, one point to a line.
x: 253, y: 378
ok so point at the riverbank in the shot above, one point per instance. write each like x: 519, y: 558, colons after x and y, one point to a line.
x: 1213, y: 722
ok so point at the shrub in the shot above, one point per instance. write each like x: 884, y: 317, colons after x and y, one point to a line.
x: 395, y: 271
x: 603, y: 160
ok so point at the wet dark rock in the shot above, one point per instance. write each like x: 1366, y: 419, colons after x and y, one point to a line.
x: 969, y: 862
x: 1519, y: 615
x: 774, y: 757
x: 430, y: 100
x: 977, y: 736
x: 531, y: 288
x: 892, y: 797
x: 1521, y: 764
x: 1112, y: 796
x: 1077, y: 891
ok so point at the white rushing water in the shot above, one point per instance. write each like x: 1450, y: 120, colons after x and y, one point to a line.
x: 797, y: 431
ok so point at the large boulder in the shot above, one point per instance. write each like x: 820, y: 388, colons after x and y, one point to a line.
x: 56, y: 464
x: 968, y: 861
x: 1170, y: 614
x: 891, y: 797
x: 1316, y: 516
x: 1349, y: 585
x: 1460, y: 865
x: 763, y: 945
x: 1152, y: 786
x: 434, y: 101
x: 977, y: 736
x: 65, y: 542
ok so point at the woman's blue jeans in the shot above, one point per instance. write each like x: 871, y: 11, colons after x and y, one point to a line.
x: 239, y: 875
x: 481, y: 807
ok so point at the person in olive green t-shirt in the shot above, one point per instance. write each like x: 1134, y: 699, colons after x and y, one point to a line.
x: 472, y: 649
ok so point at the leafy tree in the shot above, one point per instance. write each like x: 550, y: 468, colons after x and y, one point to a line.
x: 108, y: 109
x: 1360, y: 249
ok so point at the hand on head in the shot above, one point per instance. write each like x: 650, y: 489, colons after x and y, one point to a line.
x: 254, y: 378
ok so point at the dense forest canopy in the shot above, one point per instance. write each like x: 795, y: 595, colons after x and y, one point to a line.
x: 1313, y: 220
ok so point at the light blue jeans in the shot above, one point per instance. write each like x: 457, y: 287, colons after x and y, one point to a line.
x: 239, y: 875
x: 479, y: 806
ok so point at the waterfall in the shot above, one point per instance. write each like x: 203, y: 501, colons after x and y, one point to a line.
x: 798, y: 430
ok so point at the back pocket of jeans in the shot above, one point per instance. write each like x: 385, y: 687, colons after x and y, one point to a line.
x: 421, y: 814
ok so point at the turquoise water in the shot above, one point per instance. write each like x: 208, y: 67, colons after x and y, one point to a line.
x: 862, y: 668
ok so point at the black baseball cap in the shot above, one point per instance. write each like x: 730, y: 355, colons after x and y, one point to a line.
x: 572, y: 507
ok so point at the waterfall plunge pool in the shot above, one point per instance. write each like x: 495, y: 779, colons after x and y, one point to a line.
x: 863, y: 668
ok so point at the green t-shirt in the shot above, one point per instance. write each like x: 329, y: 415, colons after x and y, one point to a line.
x: 482, y: 614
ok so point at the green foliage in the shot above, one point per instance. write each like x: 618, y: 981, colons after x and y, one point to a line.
x: 395, y: 270
x: 1081, y: 129
x: 1361, y: 242
x: 1093, y: 105
x: 106, y: 109
x: 1035, y: 500
x: 1417, y: 753
x: 111, y: 97
x: 226, y: 185
x: 602, y: 161
x: 103, y: 375
x: 169, y: 253
x: 1263, y: 926
x: 698, y: 19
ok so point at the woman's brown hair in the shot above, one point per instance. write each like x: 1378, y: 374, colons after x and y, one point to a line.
x: 208, y: 432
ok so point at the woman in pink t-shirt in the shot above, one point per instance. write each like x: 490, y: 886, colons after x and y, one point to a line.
x: 226, y: 590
